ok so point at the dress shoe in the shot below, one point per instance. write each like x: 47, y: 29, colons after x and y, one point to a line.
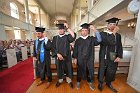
x: 111, y: 87
x: 100, y: 87
x: 71, y: 85
x: 57, y: 84
x: 91, y: 86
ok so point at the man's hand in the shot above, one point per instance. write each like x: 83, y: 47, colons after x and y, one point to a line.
x: 66, y: 25
x: 46, y: 40
x: 69, y: 30
x: 60, y: 57
x: 93, y: 28
x: 117, y: 59
x: 116, y: 29
x: 75, y: 61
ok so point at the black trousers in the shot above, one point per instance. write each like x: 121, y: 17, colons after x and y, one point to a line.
x: 108, y: 70
x: 88, y: 78
x: 44, y: 70
x: 64, y: 67
x: 1, y: 61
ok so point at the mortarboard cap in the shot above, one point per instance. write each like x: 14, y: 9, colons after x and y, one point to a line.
x: 85, y: 26
x: 60, y: 26
x: 39, y: 29
x: 113, y: 20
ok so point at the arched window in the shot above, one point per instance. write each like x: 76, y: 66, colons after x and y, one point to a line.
x: 14, y: 10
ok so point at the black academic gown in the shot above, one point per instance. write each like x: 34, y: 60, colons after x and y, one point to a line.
x: 84, y: 53
x: 108, y: 68
x: 61, y: 45
x: 43, y: 69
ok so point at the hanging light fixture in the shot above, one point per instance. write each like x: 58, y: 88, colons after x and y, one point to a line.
x: 132, y: 24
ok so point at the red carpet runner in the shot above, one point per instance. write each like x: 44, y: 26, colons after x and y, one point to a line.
x: 18, y: 78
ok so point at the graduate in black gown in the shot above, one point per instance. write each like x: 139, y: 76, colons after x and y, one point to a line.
x: 42, y: 47
x: 84, y: 54
x: 111, y: 52
x: 62, y: 53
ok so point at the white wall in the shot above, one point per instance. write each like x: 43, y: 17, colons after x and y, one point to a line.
x: 127, y: 35
x: 2, y: 33
x: 134, y: 71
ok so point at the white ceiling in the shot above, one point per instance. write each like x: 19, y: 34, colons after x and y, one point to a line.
x: 62, y: 9
x: 57, y: 7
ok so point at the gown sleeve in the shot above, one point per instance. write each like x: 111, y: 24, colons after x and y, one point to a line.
x: 96, y: 40
x: 34, y: 50
x: 48, y: 46
x: 75, y: 50
x: 119, y: 47
x: 107, y: 39
x: 70, y: 38
x: 54, y: 51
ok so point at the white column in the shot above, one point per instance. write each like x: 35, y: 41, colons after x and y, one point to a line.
x: 39, y: 15
x: 28, y: 32
x: 72, y: 21
x: 2, y: 33
x: 26, y: 10
x: 73, y: 24
x: 79, y: 11
x: 80, y: 14
x: 76, y: 24
x: 90, y: 4
x: 75, y: 19
x: 134, y: 70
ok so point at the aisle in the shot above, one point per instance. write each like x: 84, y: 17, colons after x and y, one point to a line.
x: 18, y: 78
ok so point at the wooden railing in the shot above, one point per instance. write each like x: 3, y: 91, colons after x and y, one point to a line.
x: 123, y: 66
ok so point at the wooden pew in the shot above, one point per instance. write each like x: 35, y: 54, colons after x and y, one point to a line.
x: 31, y: 50
x: 123, y: 67
x: 24, y: 52
x: 11, y: 57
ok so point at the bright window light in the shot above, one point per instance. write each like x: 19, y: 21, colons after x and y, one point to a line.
x: 17, y: 34
x: 14, y: 10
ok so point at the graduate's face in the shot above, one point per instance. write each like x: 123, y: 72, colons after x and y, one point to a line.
x: 111, y: 26
x: 84, y: 32
x: 61, y: 31
x: 39, y: 34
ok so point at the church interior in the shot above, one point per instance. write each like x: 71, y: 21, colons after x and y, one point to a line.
x: 18, y: 19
